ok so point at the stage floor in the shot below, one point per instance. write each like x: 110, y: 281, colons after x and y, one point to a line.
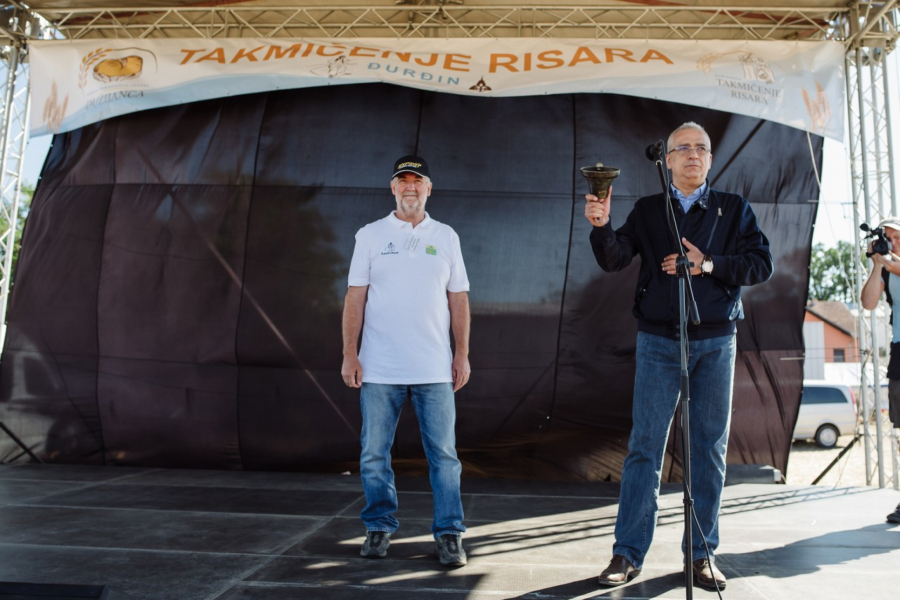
x: 183, y: 534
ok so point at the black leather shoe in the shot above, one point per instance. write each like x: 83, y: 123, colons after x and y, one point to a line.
x: 707, y: 576
x: 619, y: 571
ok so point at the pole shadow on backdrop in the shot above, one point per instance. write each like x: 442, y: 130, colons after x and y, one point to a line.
x: 177, y: 301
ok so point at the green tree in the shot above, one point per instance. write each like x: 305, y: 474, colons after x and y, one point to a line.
x: 831, y: 272
x: 27, y: 193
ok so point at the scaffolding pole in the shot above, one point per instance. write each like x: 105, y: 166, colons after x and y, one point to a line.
x: 13, y: 138
x: 874, y: 198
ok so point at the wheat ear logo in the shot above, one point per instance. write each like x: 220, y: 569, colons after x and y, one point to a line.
x: 88, y: 61
x: 818, y: 107
x: 54, y: 111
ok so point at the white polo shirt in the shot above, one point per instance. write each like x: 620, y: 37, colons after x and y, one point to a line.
x: 409, y: 270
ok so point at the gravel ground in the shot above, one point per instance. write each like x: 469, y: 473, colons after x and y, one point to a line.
x: 807, y: 461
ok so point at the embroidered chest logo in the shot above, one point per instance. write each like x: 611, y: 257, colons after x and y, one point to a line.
x: 431, y: 250
x: 390, y: 249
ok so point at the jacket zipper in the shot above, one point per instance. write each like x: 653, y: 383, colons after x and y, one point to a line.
x: 713, y: 232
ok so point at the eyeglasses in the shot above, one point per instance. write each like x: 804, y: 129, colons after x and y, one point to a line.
x: 687, y: 150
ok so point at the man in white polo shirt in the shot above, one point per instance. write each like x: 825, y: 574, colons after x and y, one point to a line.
x: 408, y: 279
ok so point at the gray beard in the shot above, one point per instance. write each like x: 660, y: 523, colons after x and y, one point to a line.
x: 409, y: 210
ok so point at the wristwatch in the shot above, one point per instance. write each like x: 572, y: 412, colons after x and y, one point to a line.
x: 706, y: 266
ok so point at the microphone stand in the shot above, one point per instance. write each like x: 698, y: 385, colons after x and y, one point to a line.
x: 686, y: 303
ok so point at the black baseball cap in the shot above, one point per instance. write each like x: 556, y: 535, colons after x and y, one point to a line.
x: 411, y: 164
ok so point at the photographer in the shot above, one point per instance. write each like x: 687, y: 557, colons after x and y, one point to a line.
x: 885, y: 263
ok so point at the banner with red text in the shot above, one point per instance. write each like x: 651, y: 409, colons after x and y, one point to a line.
x: 800, y: 84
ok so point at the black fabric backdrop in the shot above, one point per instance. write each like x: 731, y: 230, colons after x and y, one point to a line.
x: 178, y: 295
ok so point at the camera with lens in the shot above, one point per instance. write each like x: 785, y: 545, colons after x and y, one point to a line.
x: 880, y: 245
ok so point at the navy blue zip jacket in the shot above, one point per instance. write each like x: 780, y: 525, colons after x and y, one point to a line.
x: 721, y: 225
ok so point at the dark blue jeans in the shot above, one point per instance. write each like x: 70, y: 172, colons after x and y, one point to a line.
x: 436, y: 411
x: 656, y: 395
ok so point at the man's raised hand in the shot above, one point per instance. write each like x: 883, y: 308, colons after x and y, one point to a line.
x: 597, y: 211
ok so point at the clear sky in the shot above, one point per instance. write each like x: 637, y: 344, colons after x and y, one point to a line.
x: 35, y: 153
x: 834, y: 220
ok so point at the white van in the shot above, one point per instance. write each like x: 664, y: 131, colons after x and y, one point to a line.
x: 827, y: 410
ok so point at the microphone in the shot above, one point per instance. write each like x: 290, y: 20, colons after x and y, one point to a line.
x: 654, y: 151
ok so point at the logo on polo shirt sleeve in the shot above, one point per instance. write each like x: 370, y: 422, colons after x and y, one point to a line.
x: 390, y: 249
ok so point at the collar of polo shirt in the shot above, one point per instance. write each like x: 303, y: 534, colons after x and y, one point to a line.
x: 426, y: 222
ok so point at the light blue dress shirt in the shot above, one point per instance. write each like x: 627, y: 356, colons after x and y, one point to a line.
x: 688, y: 201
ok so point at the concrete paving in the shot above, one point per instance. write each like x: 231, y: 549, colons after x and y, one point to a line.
x: 186, y: 534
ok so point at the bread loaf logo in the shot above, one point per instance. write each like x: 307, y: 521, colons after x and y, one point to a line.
x: 107, y: 65
x: 117, y: 69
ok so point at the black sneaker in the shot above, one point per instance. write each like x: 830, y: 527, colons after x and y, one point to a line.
x: 449, y: 550
x: 376, y: 544
x: 894, y: 517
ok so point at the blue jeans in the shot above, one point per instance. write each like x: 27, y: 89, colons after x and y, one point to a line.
x: 436, y: 412
x: 656, y: 395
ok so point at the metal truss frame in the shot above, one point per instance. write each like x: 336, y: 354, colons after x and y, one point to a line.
x: 867, y: 28
x: 454, y: 20
x: 13, y: 137
x: 874, y: 198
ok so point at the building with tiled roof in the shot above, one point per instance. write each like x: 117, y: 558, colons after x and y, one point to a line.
x: 838, y: 331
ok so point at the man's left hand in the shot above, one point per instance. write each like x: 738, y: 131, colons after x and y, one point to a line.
x: 694, y: 255
x: 891, y: 262
x: 461, y: 371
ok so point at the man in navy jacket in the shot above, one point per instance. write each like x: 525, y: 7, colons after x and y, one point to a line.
x: 726, y: 250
